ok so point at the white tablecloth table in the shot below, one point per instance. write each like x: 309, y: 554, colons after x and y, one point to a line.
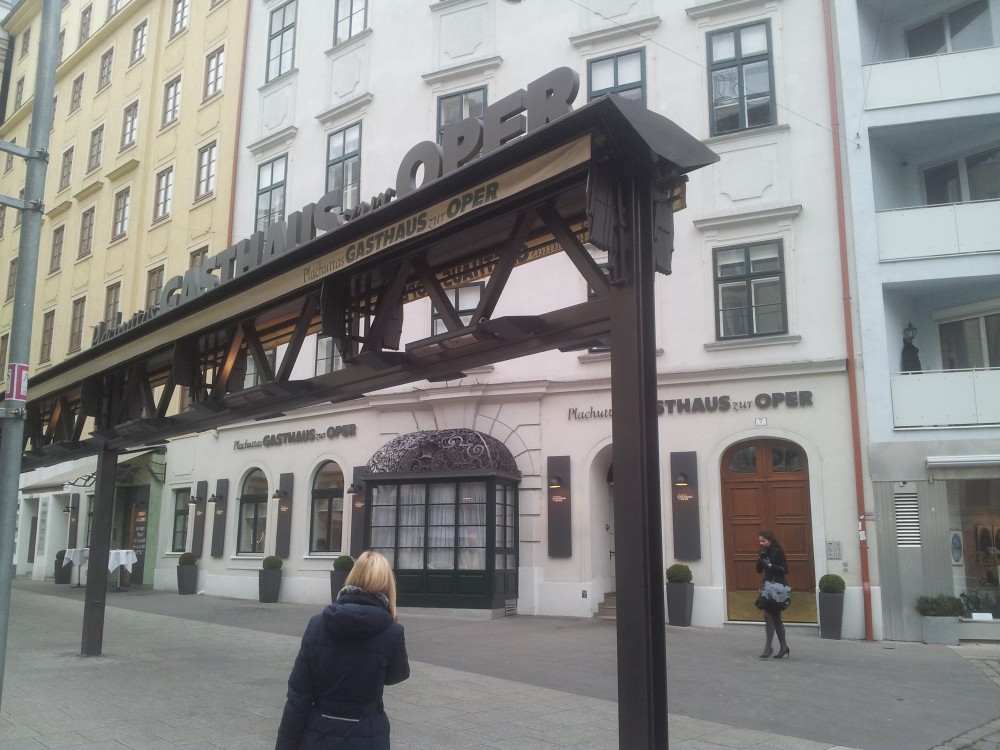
x: 76, y: 556
x: 121, y: 557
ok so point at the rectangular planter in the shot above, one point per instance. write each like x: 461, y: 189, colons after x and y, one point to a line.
x: 943, y: 630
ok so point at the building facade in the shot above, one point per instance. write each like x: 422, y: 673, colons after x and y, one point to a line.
x: 753, y: 400
x: 921, y: 113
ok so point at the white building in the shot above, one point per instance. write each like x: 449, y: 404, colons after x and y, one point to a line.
x: 753, y: 388
x: 921, y: 118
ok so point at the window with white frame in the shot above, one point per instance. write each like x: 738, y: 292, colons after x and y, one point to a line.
x: 975, y: 177
x: 164, y: 194
x: 457, y: 107
x: 180, y: 13
x: 740, y: 78
x: 96, y: 148
x: 206, y: 170
x: 328, y: 357
x: 281, y: 40
x: 140, y: 35
x: 271, y: 192
x: 66, y: 171
x: 351, y: 18
x: 750, y: 290
x: 179, y: 535
x: 964, y: 28
x: 119, y: 219
x: 623, y: 74
x: 172, y: 101
x: 971, y: 342
x: 55, y: 254
x: 465, y: 300
x: 214, y: 64
x: 104, y: 71
x: 112, y: 303
x: 130, y: 124
x: 343, y: 164
x: 86, y: 233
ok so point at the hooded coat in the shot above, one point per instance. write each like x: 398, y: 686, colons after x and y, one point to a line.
x: 349, y: 653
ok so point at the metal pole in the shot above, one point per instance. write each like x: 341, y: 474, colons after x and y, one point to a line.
x: 13, y: 415
x: 642, y: 659
x: 92, y: 641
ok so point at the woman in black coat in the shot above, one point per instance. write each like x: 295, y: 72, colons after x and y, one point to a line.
x: 349, y: 653
x: 772, y: 562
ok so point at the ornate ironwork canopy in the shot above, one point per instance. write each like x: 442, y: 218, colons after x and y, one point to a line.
x: 455, y: 451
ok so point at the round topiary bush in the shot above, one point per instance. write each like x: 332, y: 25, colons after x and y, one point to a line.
x: 831, y: 583
x: 272, y: 562
x: 61, y: 554
x: 942, y: 605
x: 344, y: 562
x: 187, y: 558
x: 679, y: 573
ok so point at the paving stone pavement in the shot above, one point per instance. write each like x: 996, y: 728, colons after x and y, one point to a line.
x: 165, y: 681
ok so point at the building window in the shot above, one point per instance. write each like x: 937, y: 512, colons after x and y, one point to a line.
x: 750, y: 290
x: 62, y: 47
x: 164, y: 194
x: 326, y: 528
x: 10, y: 158
x: 623, y: 74
x: 85, y: 17
x: 140, y: 34
x: 206, y: 170
x: 66, y: 171
x: 252, y: 377
x: 55, y: 257
x: 96, y: 149
x: 11, y: 280
x: 3, y: 220
x: 130, y: 124
x: 76, y: 324
x: 17, y: 216
x: 343, y: 164
x: 172, y: 101
x: 179, y: 14
x: 48, y: 327
x: 971, y: 178
x: 971, y: 343
x: 76, y: 94
x: 198, y: 257
x: 119, y: 222
x: 270, y: 192
x: 457, y: 107
x: 328, y: 357
x: 104, y: 72
x: 86, y: 233
x: 154, y: 285
x: 19, y: 93
x: 252, y: 529
x: 25, y: 41
x: 113, y: 7
x: 214, y: 64
x: 281, y: 41
x: 740, y: 78
x: 3, y: 353
x: 179, y: 536
x: 965, y: 28
x: 351, y: 18
x: 112, y: 304
x: 465, y: 299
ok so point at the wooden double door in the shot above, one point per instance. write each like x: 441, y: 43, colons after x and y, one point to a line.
x: 765, y: 485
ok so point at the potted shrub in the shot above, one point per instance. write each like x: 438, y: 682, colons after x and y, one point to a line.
x: 338, y: 576
x: 831, y: 605
x: 269, y: 579
x: 680, y: 595
x: 187, y: 573
x: 64, y: 573
x: 940, y: 618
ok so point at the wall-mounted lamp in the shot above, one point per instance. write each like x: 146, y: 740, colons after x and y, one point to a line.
x: 214, y: 499
x: 681, y: 480
x: 353, y: 490
x: 555, y: 482
x: 278, y: 494
x: 195, y: 500
x: 66, y: 511
x: 910, y: 332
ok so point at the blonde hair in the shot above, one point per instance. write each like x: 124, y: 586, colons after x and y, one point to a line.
x: 373, y: 573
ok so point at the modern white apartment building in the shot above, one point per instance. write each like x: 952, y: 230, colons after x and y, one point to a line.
x: 753, y: 397
x: 921, y: 122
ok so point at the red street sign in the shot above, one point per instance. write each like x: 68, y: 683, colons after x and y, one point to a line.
x: 17, y: 382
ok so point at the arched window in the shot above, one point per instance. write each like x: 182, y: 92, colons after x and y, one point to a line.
x: 253, y: 513
x: 326, y: 531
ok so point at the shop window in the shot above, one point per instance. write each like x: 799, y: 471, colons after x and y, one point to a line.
x: 740, y: 79
x: 750, y: 290
x: 252, y: 529
x: 179, y: 536
x: 326, y: 530
x: 964, y: 28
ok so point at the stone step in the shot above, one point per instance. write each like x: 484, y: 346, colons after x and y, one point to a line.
x: 608, y: 609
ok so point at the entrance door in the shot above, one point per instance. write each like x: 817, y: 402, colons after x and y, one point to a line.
x: 765, y: 485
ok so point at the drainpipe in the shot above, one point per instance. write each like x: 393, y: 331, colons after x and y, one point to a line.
x: 852, y: 378
x: 239, y: 128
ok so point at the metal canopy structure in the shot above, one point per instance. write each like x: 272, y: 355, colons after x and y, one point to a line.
x: 610, y: 173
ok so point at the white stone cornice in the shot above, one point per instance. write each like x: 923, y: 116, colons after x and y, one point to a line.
x: 275, y: 142
x: 705, y: 10
x: 357, y: 104
x: 785, y: 211
x: 615, y: 32
x: 470, y: 68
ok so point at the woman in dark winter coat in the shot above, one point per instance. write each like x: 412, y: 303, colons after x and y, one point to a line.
x: 774, y: 565
x: 349, y: 653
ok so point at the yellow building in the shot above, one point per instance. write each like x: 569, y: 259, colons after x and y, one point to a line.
x: 139, y: 183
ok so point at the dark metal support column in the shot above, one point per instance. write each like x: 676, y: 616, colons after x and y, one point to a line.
x: 642, y: 667
x: 100, y: 547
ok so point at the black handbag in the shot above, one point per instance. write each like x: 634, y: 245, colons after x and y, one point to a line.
x: 759, y: 601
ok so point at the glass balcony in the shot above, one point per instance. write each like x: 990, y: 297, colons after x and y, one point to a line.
x: 946, y: 398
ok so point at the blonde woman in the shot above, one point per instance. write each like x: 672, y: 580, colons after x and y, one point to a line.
x: 349, y: 653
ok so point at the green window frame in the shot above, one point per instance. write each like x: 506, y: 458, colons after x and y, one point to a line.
x: 178, y: 536
x: 343, y: 163
x: 750, y: 298
x: 456, y: 107
x: 251, y: 525
x: 623, y: 73
x: 741, y: 78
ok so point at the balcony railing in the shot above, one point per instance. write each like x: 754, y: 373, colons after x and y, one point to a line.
x: 949, y: 229
x: 957, y: 75
x: 946, y: 398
